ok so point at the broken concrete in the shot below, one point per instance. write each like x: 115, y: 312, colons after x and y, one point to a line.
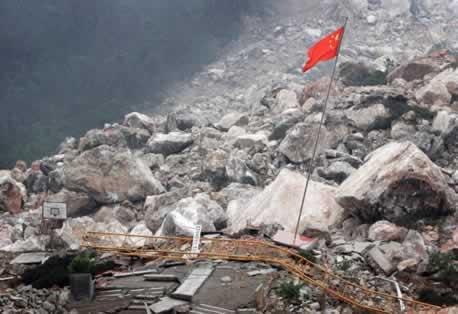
x: 381, y: 260
x: 192, y: 283
x: 166, y: 304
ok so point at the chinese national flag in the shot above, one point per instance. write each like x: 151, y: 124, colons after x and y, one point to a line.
x: 324, y: 50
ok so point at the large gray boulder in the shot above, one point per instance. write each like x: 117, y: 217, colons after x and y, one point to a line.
x: 168, y: 144
x: 398, y: 183
x: 375, y: 116
x: 192, y: 211
x: 139, y: 121
x: 298, y: 144
x: 283, y: 122
x: 237, y: 169
x: 280, y: 203
x: 232, y: 119
x: 115, y: 135
x: 110, y: 175
x: 157, y: 207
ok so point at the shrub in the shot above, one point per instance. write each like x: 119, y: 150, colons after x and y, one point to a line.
x: 444, y: 266
x: 308, y: 256
x: 82, y: 263
x: 289, y: 290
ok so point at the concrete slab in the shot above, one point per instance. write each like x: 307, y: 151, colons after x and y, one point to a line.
x: 31, y: 258
x: 192, y: 283
x: 381, y: 260
x: 135, y: 273
x: 166, y: 304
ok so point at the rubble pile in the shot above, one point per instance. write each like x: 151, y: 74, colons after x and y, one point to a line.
x: 382, y: 197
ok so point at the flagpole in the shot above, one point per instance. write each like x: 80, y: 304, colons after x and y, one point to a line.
x: 310, y: 167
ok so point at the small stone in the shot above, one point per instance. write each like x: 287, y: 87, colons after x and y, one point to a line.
x: 226, y: 279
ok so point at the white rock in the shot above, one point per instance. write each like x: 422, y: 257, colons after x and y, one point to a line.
x: 280, y: 203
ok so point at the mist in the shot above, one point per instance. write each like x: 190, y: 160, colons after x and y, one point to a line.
x: 68, y: 66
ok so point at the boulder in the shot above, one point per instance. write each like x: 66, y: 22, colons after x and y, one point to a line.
x: 238, y: 193
x: 35, y: 181
x: 56, y: 180
x: 110, y: 176
x: 298, y: 144
x: 232, y: 119
x: 449, y: 79
x: 114, y: 135
x: 139, y: 121
x: 78, y: 203
x: 280, y: 203
x: 192, y: 211
x: 386, y: 231
x: 373, y: 117
x: 138, y: 242
x: 231, y: 136
x: 414, y: 70
x: 12, y: 193
x: 397, y: 183
x: 157, y: 207
x: 153, y: 161
x: 237, y: 169
x: 33, y: 243
x: 6, y: 235
x: 68, y: 145
x: 167, y: 144
x: 286, y: 99
x: 414, y: 248
x: 283, y: 122
x: 360, y: 74
x: 251, y: 142
x: 338, y: 171
x: 215, y: 166
x: 434, y: 93
x: 73, y: 230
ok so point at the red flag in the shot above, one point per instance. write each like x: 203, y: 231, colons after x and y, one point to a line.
x: 324, y: 50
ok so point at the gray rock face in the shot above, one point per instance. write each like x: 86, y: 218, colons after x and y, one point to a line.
x: 191, y: 211
x: 298, y: 143
x: 110, y: 176
x: 280, y: 202
x: 397, y: 183
x: 167, y: 144
x: 78, y: 204
x: 232, y: 119
x: 434, y: 93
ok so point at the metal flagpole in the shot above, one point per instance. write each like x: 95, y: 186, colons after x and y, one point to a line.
x: 310, y: 167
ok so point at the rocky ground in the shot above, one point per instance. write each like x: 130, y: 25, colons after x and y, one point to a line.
x: 383, y: 196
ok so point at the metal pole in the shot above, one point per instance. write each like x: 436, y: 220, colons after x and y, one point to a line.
x: 310, y: 167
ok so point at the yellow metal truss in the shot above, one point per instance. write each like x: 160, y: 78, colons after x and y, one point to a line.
x: 178, y: 248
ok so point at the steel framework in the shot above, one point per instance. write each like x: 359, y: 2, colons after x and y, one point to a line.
x: 179, y: 248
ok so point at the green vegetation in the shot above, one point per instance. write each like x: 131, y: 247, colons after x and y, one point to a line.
x: 444, y: 266
x: 290, y: 290
x: 308, y: 256
x: 82, y: 263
